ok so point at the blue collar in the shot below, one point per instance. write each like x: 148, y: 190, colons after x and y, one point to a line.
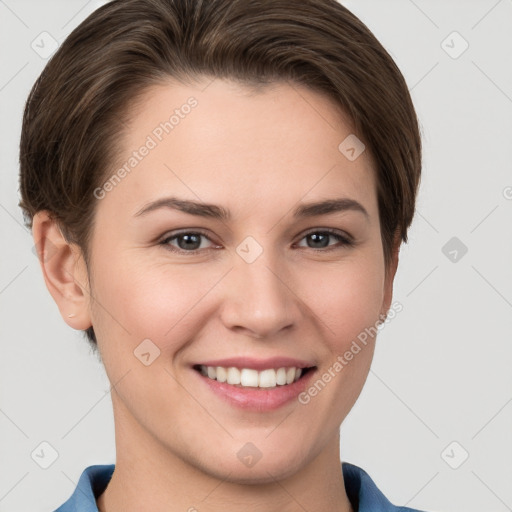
x: 361, y: 490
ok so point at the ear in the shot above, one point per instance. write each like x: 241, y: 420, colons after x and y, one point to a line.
x: 390, y: 275
x: 64, y: 271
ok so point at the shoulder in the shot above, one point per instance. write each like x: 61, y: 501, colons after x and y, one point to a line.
x: 363, y: 493
x: 93, y: 481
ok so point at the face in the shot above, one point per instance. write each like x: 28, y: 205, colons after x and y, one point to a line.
x: 174, y: 289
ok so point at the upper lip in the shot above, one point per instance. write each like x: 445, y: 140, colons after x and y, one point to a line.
x: 258, y: 364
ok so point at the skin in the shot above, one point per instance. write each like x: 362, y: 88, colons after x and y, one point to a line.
x: 258, y: 154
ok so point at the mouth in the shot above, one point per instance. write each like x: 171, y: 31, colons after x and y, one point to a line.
x: 266, y: 379
x: 250, y: 390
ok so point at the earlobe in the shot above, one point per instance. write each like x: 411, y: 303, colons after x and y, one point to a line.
x: 64, y: 271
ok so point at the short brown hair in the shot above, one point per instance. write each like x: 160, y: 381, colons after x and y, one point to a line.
x: 76, y: 110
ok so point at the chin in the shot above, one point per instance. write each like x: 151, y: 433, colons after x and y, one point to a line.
x: 263, y: 469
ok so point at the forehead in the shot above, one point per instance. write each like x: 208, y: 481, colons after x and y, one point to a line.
x: 224, y: 142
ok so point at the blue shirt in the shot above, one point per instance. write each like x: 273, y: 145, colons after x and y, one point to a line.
x: 361, y: 491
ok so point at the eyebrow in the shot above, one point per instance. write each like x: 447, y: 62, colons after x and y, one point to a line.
x: 214, y: 211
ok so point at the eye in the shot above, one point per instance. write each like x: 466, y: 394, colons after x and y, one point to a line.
x: 191, y: 241
x: 187, y: 241
x: 320, y: 240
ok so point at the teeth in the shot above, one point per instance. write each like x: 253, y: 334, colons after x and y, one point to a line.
x: 281, y: 376
x: 233, y: 375
x: 290, y: 375
x: 267, y: 379
x: 247, y: 377
x: 222, y: 374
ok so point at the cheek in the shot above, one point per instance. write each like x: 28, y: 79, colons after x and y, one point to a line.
x: 170, y: 304
x: 347, y: 298
x: 141, y: 300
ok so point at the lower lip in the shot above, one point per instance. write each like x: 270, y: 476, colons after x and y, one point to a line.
x: 258, y: 399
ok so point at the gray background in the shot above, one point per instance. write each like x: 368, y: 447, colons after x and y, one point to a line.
x: 441, y: 372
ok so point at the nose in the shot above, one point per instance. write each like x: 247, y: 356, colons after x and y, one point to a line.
x: 259, y: 300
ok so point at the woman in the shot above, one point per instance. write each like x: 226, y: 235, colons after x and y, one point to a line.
x: 219, y: 191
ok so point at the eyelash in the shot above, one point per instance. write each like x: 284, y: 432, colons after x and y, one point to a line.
x: 345, y: 241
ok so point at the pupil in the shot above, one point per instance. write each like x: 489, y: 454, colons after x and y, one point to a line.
x: 315, y: 237
x: 190, y: 239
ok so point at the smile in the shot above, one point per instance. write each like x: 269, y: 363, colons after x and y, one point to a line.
x: 249, y: 377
